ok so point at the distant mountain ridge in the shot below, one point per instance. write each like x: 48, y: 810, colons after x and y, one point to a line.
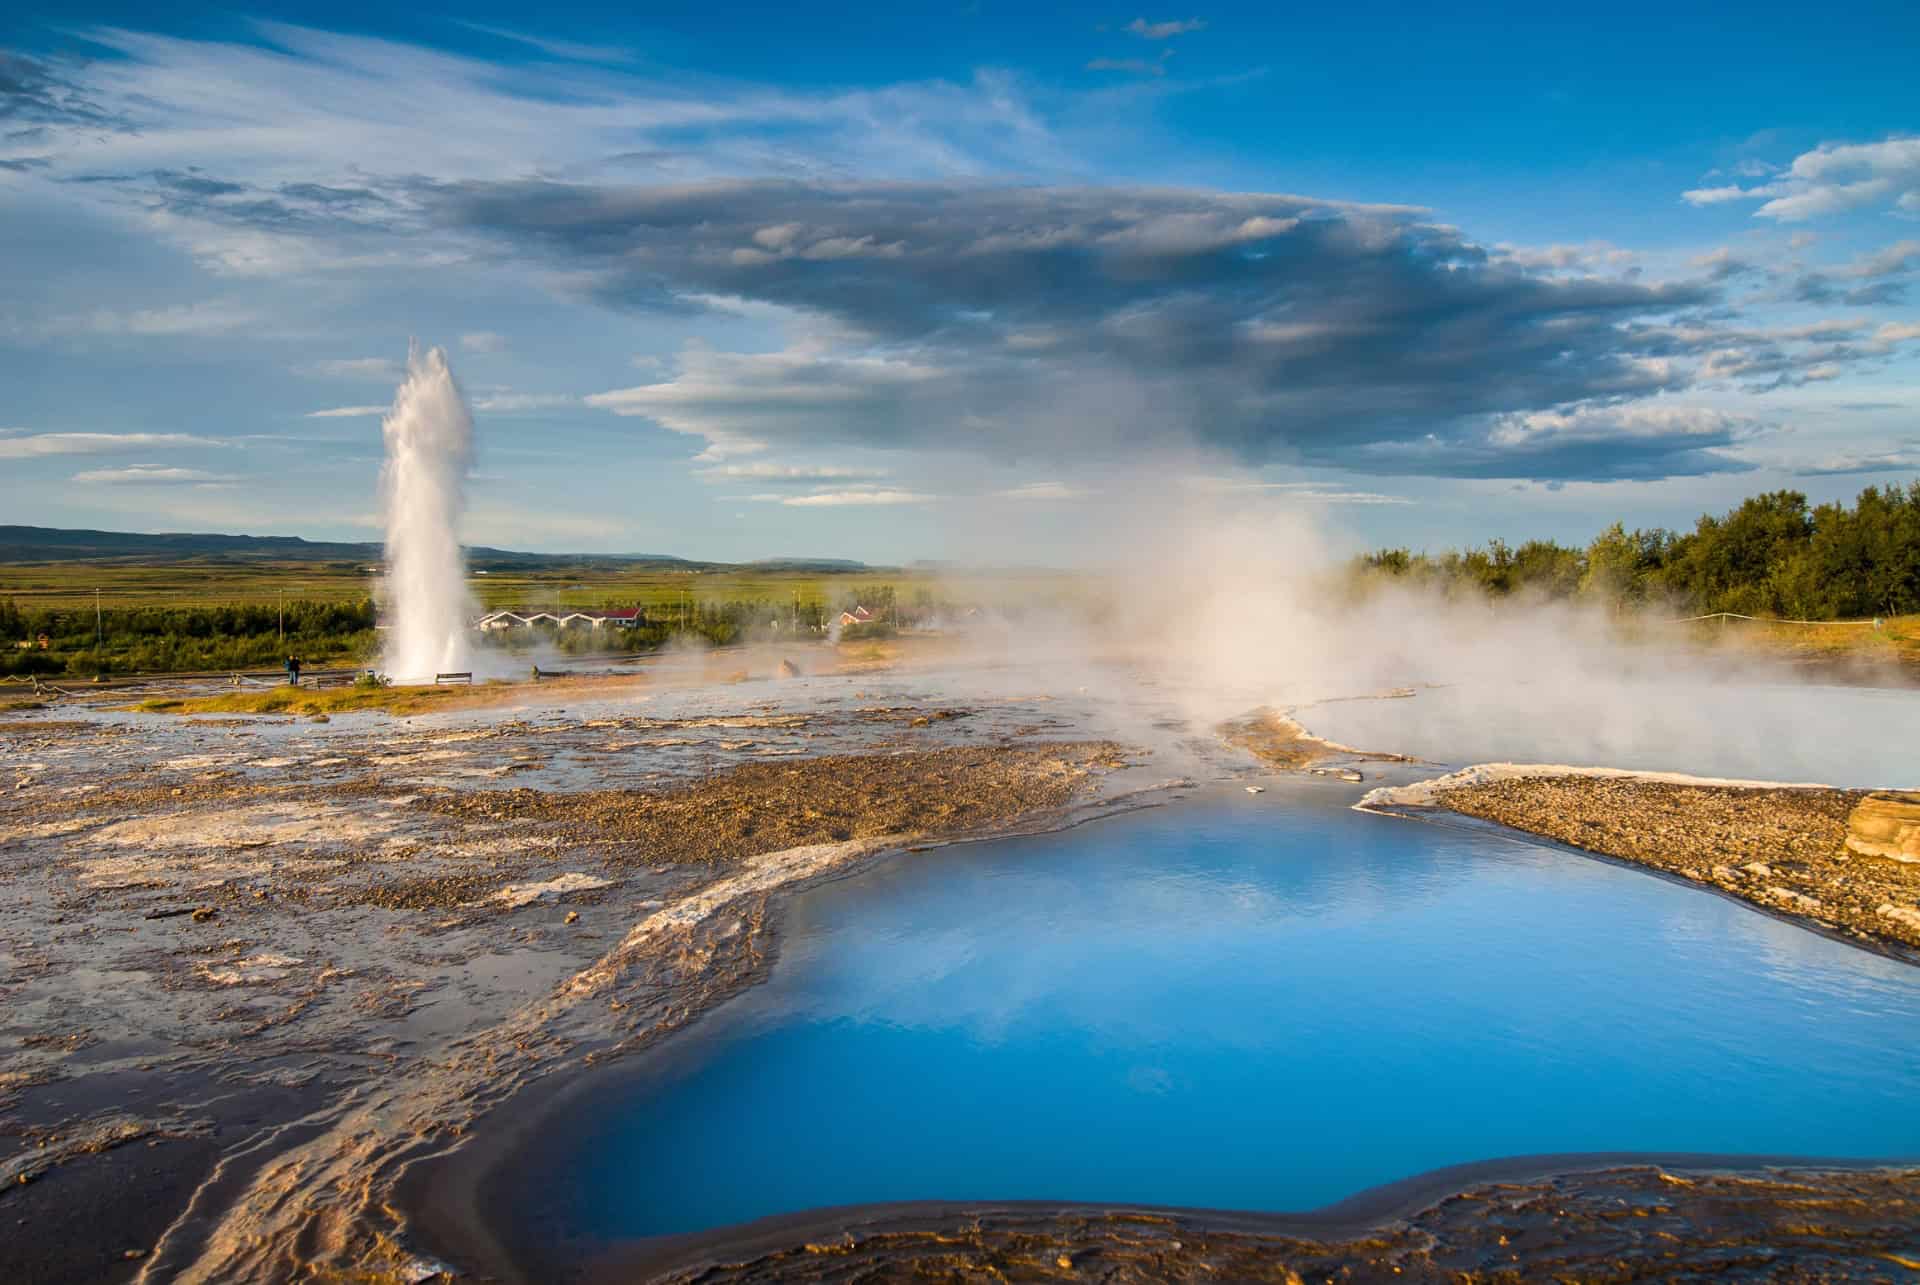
x: 55, y: 544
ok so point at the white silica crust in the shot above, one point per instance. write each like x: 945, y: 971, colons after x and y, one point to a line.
x: 1426, y: 794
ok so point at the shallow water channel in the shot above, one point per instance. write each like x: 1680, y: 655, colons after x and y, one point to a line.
x: 1248, y: 1002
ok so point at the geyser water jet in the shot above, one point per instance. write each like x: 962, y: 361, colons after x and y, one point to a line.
x: 429, y: 435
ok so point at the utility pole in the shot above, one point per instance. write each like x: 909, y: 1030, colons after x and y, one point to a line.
x: 98, y: 631
x: 283, y: 615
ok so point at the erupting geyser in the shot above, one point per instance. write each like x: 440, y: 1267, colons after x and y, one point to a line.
x: 429, y: 436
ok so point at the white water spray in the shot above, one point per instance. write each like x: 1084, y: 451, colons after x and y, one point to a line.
x: 429, y: 435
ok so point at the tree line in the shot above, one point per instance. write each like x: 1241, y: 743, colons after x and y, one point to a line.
x: 1773, y: 555
x: 151, y: 640
x: 162, y: 639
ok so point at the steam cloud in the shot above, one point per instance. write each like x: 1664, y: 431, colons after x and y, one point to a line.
x: 429, y: 436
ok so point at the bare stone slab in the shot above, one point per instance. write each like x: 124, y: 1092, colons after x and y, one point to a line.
x: 1886, y: 824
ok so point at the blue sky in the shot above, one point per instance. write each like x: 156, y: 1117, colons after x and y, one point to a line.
x: 965, y: 280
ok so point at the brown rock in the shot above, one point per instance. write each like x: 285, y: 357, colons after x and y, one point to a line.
x: 1886, y: 824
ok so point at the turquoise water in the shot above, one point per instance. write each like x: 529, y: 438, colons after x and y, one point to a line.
x: 1245, y: 1002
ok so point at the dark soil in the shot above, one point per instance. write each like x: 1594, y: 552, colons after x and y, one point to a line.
x: 765, y: 807
x: 1634, y: 1224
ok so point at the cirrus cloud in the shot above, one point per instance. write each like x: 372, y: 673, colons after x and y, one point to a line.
x: 18, y: 445
x: 844, y: 499
x: 154, y: 475
x: 1164, y: 30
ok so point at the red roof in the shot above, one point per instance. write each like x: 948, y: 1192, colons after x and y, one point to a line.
x: 631, y: 613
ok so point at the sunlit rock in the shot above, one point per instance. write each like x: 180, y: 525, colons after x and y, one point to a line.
x: 1886, y: 824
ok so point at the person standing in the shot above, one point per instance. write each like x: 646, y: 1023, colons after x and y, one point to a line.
x: 293, y: 671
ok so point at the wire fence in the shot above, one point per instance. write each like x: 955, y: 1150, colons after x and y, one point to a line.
x: 1771, y: 620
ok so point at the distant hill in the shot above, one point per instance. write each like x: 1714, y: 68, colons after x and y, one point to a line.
x: 50, y: 544
x: 806, y: 564
x: 53, y: 544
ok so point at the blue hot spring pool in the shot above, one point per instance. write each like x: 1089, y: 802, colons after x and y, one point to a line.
x: 1247, y: 1002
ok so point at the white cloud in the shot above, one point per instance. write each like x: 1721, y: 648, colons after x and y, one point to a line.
x: 508, y: 403
x: 1312, y: 492
x: 1893, y: 260
x: 1647, y: 420
x: 15, y: 446
x: 1349, y: 497
x: 348, y: 412
x: 1894, y: 332
x: 1723, y: 263
x: 1893, y: 461
x: 190, y: 319
x: 1594, y: 256
x: 1715, y: 195
x: 1164, y: 30
x: 1041, y: 491
x: 383, y: 370
x: 730, y: 398
x: 154, y: 475
x: 277, y: 123
x: 1832, y: 179
x: 767, y: 471
x: 836, y: 499
x: 484, y: 341
x: 573, y: 51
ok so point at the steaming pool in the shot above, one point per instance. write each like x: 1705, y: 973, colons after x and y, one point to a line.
x: 1238, y: 1002
x: 1833, y: 735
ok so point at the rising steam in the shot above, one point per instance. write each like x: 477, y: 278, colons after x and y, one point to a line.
x: 429, y: 434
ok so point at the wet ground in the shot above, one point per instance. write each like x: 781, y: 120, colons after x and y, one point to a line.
x: 224, y: 934
x: 1632, y: 1223
x: 254, y: 969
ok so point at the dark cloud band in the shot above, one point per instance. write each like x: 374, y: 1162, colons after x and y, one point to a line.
x: 1060, y: 319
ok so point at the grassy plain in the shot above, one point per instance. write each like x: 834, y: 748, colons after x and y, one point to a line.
x: 1896, y: 642
x: 70, y: 587
x: 211, y: 582
x: 308, y: 700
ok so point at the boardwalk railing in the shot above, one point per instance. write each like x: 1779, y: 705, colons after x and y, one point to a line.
x: 465, y: 676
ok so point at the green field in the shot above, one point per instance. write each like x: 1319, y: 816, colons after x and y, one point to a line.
x: 127, y: 617
x: 71, y: 586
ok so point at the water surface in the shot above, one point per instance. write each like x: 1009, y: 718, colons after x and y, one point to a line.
x: 1264, y: 1002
